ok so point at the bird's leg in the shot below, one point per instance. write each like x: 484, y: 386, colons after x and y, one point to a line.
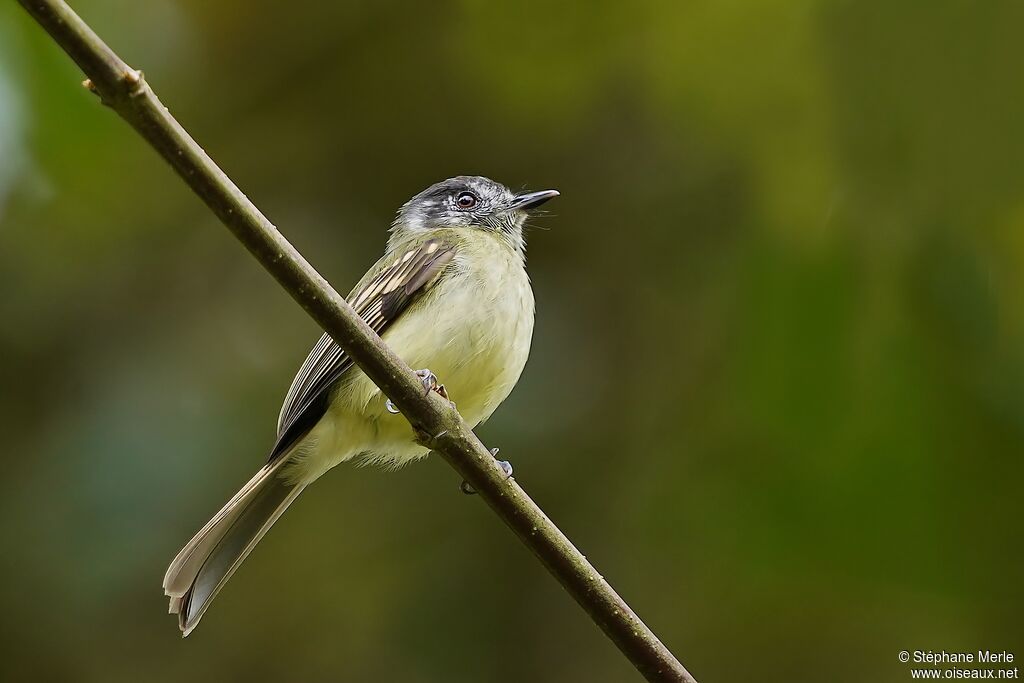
x: 505, y: 465
x: 430, y: 383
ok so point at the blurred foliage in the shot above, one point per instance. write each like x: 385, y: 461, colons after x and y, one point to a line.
x: 777, y: 386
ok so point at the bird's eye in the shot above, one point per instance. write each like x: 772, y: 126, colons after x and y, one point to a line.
x: 466, y: 200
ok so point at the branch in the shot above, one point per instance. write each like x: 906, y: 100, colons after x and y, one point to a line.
x: 126, y: 91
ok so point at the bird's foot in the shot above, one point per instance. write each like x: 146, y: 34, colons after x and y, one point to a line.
x: 430, y: 383
x: 505, y: 465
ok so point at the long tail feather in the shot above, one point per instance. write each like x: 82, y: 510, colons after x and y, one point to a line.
x: 204, y: 565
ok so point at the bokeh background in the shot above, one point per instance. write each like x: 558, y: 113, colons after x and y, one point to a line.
x: 777, y: 386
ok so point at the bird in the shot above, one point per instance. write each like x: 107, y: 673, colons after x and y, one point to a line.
x: 450, y: 295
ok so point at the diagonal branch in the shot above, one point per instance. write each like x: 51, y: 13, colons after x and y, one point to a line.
x: 127, y: 92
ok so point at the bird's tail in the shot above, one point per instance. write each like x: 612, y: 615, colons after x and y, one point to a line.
x: 205, y: 564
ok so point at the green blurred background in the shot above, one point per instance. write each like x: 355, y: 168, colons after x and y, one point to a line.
x: 777, y: 386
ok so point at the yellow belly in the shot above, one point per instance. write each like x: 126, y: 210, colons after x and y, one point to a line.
x: 473, y: 330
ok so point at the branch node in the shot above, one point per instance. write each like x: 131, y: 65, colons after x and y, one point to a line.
x: 135, y: 80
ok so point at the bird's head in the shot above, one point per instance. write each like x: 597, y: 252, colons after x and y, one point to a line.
x: 471, y: 203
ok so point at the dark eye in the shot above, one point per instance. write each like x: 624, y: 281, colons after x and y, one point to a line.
x: 466, y: 200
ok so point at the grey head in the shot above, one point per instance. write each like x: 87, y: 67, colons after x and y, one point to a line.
x: 471, y: 203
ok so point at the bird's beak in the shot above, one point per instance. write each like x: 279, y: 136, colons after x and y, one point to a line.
x: 531, y: 200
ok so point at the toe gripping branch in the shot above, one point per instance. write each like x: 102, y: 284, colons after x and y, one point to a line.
x: 505, y: 465
x: 429, y: 381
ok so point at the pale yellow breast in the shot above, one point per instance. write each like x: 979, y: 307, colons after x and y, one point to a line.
x: 475, y: 331
x: 472, y: 329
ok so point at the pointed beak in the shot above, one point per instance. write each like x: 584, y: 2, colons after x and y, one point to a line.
x: 531, y: 200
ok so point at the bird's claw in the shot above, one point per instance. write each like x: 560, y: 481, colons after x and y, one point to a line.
x: 505, y: 465
x: 429, y: 381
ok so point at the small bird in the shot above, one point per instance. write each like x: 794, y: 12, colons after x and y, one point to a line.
x: 450, y: 295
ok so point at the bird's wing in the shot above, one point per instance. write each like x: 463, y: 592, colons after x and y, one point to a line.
x: 387, y: 290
